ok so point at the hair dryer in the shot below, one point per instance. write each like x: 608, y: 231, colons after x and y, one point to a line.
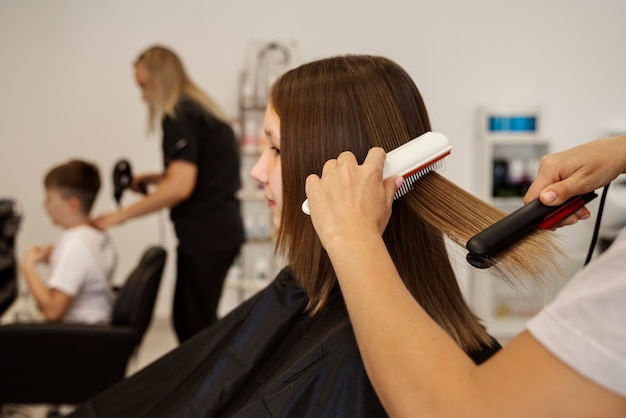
x: 122, y: 178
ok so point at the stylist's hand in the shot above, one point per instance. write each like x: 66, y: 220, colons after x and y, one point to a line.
x: 139, y: 183
x: 108, y: 220
x: 576, y: 171
x: 351, y: 201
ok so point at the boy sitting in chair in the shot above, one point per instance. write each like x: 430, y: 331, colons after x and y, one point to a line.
x: 81, y: 263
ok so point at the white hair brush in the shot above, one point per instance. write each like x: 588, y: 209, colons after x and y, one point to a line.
x: 412, y: 161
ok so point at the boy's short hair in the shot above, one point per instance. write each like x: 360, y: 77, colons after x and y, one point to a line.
x: 76, y: 178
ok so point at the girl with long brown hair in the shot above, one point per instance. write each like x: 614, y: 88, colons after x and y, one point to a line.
x: 355, y: 103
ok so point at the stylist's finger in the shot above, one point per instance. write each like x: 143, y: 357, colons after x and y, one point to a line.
x: 344, y: 158
x: 376, y: 156
x: 559, y: 191
x: 392, y: 185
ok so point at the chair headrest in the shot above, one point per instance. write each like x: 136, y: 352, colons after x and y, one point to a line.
x: 137, y: 296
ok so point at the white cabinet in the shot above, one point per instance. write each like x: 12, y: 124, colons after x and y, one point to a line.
x: 509, y: 148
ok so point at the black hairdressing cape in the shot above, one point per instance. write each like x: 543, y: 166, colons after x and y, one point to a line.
x: 267, y: 358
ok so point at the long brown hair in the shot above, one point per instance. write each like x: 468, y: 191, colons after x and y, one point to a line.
x: 173, y: 83
x: 353, y: 103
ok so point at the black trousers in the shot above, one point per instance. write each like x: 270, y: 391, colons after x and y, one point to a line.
x: 200, y: 278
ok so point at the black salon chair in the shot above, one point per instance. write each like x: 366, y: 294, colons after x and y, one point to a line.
x: 59, y: 363
x: 8, y: 280
x: 9, y: 224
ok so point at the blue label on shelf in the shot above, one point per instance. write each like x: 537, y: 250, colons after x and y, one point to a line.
x: 512, y: 123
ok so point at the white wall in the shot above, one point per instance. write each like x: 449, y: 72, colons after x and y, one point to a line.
x: 66, y: 87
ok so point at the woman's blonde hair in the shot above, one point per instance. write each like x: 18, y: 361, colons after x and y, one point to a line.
x: 356, y: 102
x: 172, y: 84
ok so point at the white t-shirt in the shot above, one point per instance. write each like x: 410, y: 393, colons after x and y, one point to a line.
x: 585, y: 325
x: 81, y: 265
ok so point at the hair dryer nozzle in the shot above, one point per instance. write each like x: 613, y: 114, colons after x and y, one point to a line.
x: 122, y: 177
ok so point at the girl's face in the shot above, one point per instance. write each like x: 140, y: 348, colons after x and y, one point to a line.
x: 267, y: 169
x: 145, y: 81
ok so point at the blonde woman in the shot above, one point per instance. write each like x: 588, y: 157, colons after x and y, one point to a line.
x: 198, y: 184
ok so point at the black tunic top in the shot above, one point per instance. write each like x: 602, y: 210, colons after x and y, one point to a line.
x: 267, y: 358
x: 210, y: 218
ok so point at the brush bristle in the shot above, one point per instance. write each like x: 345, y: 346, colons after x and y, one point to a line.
x: 438, y: 165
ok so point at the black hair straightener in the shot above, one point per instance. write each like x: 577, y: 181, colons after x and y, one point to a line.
x: 485, y: 245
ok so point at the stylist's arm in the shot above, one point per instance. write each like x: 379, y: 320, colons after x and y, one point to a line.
x: 350, y: 207
x: 415, y: 367
x: 175, y: 186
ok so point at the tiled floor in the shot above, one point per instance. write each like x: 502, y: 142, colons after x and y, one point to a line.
x: 159, y: 339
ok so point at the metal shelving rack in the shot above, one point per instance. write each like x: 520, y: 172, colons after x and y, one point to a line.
x: 257, y: 264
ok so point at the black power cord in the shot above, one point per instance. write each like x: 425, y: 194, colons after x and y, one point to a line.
x: 596, y: 228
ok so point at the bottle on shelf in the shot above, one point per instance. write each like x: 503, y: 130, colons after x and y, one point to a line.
x: 261, y: 269
x: 250, y: 139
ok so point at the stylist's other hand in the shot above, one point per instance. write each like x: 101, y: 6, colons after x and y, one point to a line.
x: 108, y: 220
x: 351, y: 201
x: 576, y: 171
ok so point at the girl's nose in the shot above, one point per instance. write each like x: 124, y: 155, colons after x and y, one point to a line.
x: 258, y: 171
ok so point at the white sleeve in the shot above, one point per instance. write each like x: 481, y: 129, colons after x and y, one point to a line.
x: 584, y: 325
